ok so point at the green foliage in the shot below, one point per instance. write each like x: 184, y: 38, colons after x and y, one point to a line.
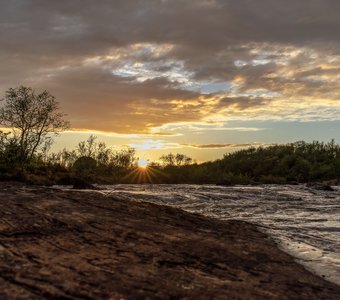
x: 298, y: 161
x: 277, y: 164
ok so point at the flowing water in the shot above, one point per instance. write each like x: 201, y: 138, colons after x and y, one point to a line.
x: 305, y: 222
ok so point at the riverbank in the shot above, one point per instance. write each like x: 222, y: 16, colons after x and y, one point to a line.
x: 77, y: 244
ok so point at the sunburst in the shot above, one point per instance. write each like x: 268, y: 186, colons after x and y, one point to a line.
x: 144, y: 173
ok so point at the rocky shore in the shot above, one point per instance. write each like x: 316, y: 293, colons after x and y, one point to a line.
x: 85, y: 245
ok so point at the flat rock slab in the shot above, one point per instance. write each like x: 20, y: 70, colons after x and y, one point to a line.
x: 85, y: 245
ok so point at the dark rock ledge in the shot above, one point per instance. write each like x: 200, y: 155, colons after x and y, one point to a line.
x: 83, y: 245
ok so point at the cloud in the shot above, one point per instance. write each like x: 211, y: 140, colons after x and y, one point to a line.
x: 97, y: 99
x: 154, y: 145
x: 201, y: 127
x: 219, y: 146
x: 133, y: 66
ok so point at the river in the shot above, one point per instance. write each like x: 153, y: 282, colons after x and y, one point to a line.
x: 303, y: 221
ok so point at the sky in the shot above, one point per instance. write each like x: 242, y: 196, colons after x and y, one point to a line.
x: 201, y: 77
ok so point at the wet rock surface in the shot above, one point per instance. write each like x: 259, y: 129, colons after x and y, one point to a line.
x: 86, y: 245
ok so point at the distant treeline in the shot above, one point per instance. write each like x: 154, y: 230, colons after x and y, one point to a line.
x: 96, y: 162
x: 295, y: 162
x: 298, y: 162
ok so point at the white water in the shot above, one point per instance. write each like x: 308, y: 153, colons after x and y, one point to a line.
x: 305, y: 222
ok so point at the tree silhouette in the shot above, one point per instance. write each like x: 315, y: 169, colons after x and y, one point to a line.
x: 32, y: 119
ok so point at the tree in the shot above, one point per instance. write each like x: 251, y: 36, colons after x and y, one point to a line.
x: 33, y: 119
x: 168, y: 160
x: 124, y: 158
x: 175, y: 160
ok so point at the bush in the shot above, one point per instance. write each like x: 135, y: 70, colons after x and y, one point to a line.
x: 85, y: 167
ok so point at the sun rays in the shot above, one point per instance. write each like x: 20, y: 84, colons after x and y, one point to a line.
x: 144, y: 173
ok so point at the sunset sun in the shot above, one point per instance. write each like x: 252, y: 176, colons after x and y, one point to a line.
x: 142, y: 163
